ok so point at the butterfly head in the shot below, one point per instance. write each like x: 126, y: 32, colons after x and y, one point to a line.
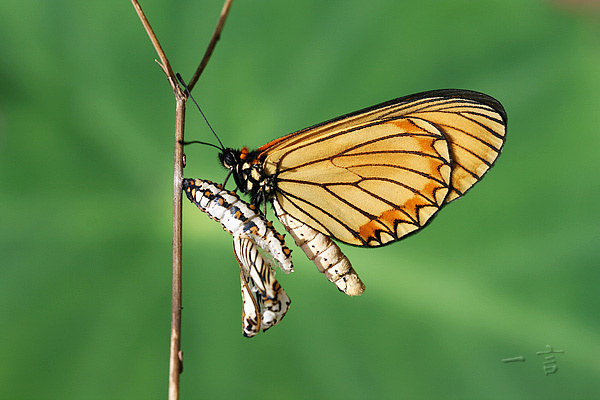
x: 247, y: 172
x: 230, y: 158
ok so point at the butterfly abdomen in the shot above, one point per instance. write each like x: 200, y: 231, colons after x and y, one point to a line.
x: 323, y: 251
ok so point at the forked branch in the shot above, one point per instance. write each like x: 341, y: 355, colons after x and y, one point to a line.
x: 175, y: 359
x: 164, y: 61
x: 211, y: 45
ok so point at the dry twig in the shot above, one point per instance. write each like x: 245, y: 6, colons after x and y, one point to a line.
x: 175, y: 359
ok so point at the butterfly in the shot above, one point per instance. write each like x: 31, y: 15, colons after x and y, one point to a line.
x: 372, y: 177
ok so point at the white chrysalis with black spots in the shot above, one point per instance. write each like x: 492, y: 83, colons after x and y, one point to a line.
x: 257, y: 247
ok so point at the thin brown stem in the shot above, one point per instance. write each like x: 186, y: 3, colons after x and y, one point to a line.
x: 175, y: 363
x: 164, y: 62
x: 175, y: 359
x: 211, y: 45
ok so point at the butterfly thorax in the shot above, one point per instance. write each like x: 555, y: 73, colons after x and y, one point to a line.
x: 248, y: 173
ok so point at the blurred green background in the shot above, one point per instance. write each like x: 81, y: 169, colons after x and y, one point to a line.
x: 86, y: 141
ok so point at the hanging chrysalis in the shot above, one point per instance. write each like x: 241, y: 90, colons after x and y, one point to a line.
x: 257, y: 246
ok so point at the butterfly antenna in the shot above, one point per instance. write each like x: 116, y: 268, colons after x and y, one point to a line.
x: 203, y: 116
x: 183, y: 142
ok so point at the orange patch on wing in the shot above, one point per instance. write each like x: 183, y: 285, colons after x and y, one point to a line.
x: 434, y: 167
x: 404, y: 124
x: 411, y: 206
x: 390, y: 218
x: 368, y: 231
x: 428, y: 199
x: 385, y: 223
x: 274, y: 142
x: 425, y: 144
x: 429, y: 190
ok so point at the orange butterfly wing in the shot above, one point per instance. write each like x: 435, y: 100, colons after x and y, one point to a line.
x: 371, y: 177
